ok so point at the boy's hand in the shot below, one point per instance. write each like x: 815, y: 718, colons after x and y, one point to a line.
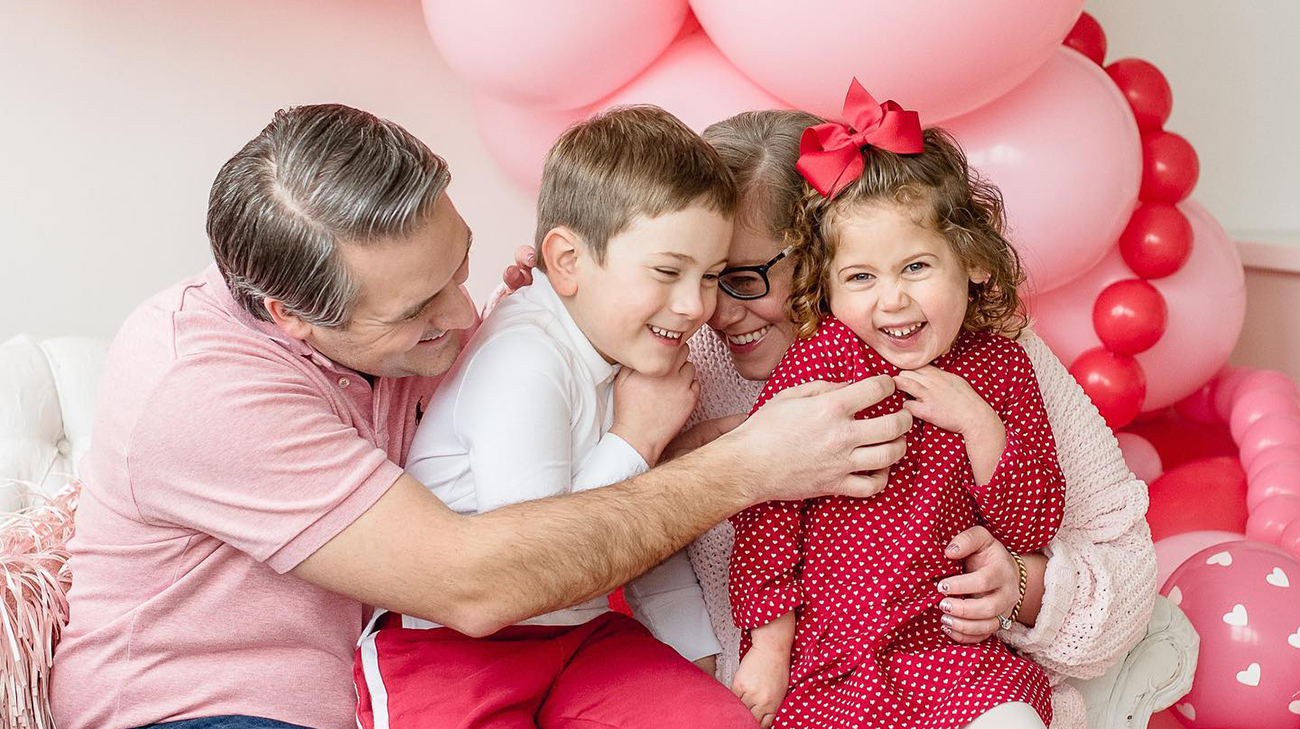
x: 649, y: 411
x: 762, y: 681
x: 946, y: 400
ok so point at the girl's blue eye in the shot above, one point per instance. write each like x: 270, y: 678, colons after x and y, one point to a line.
x: 861, y: 277
x: 915, y: 267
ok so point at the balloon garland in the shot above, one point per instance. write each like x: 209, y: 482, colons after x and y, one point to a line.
x: 1130, y: 315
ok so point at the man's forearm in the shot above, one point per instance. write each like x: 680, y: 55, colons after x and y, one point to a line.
x: 527, y: 559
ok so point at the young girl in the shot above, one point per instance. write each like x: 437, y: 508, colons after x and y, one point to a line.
x: 901, y: 269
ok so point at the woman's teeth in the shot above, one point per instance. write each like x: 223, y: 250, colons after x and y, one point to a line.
x: 754, y: 336
x: 664, y: 332
x: 902, y: 332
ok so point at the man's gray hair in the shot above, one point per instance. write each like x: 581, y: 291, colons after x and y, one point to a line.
x: 316, y: 178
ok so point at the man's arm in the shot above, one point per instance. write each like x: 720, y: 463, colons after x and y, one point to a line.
x: 477, y: 574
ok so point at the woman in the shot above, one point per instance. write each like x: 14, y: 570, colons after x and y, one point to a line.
x: 1087, y: 598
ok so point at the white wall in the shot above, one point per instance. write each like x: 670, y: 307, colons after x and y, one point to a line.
x: 117, y: 115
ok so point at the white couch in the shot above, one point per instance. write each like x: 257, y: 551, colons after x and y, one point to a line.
x: 47, y: 395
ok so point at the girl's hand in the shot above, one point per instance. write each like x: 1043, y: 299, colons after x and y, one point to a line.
x: 762, y: 681
x: 945, y: 400
x: 990, y: 586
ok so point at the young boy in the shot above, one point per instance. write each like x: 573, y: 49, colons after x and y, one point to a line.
x: 574, y: 383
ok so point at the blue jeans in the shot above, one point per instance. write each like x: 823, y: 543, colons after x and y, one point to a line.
x: 225, y: 722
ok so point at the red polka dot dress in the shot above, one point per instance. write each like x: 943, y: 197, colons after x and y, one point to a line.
x: 862, y: 573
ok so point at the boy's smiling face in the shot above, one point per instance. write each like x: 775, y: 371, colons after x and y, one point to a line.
x: 657, y: 286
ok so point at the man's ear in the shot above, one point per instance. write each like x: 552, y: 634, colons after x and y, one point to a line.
x: 562, y: 251
x: 288, y: 322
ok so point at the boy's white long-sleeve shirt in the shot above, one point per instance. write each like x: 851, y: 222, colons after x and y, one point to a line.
x: 524, y: 414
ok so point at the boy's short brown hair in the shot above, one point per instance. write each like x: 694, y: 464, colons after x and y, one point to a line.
x: 629, y: 161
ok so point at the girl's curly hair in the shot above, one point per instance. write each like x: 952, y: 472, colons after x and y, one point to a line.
x: 947, y: 196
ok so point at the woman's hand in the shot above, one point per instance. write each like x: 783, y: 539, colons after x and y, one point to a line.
x: 989, y: 587
x: 520, y: 273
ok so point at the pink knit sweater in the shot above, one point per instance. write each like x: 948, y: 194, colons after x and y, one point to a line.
x: 1100, y: 581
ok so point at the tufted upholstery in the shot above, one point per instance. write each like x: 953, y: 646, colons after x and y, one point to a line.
x: 47, y: 399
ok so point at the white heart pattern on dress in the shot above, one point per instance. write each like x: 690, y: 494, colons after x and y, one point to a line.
x: 1220, y: 558
x: 1237, y: 617
x: 1176, y: 595
x: 1277, y: 578
x: 1187, y: 710
x: 1250, y: 676
x: 1294, y: 639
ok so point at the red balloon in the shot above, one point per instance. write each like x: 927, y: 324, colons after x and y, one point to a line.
x: 1114, y: 382
x: 1129, y: 316
x: 1209, y: 494
x: 1169, y: 167
x: 1088, y: 38
x: 1146, y: 89
x: 1157, y: 241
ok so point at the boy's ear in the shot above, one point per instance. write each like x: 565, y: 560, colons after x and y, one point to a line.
x: 561, y: 252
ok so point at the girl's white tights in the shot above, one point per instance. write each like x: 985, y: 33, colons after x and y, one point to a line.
x: 1015, y: 715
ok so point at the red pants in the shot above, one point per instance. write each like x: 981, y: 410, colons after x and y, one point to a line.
x: 608, y: 673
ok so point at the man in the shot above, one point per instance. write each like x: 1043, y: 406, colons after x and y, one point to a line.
x: 243, y: 497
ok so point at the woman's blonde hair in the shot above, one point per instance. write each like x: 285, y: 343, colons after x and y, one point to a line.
x: 945, y: 195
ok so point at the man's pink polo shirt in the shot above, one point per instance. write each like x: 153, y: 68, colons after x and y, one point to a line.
x: 224, y: 453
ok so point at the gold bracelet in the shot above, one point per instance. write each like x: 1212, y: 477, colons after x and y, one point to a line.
x: 1024, y: 582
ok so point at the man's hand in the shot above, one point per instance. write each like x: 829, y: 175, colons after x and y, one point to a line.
x: 700, y: 434
x: 649, y: 411
x: 806, y: 443
x: 989, y: 587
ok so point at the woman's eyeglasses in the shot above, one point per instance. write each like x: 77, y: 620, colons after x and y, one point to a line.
x: 749, y: 282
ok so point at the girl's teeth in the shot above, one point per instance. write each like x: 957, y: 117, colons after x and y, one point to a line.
x: 665, y: 332
x: 900, y: 332
x: 747, y: 338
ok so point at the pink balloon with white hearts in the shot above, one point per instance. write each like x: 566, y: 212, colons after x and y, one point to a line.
x: 1243, y: 598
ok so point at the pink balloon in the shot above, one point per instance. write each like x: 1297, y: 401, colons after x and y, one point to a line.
x: 1271, y: 516
x: 1270, y: 456
x: 1141, y: 456
x: 1252, y: 404
x: 1290, y: 540
x: 1226, y: 384
x: 1244, y: 601
x: 558, y: 54
x: 1207, y: 306
x: 1172, y: 551
x: 1280, y: 478
x: 696, y: 83
x: 939, y: 57
x: 1270, y: 380
x: 518, y: 138
x: 1063, y: 217
x: 1269, y: 431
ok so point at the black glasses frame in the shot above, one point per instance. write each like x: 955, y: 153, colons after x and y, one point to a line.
x: 760, y: 270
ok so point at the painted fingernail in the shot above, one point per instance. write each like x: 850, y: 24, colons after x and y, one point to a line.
x: 946, y: 620
x: 946, y: 606
x: 943, y: 587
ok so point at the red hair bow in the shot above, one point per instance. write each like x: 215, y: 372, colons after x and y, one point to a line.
x: 830, y: 155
